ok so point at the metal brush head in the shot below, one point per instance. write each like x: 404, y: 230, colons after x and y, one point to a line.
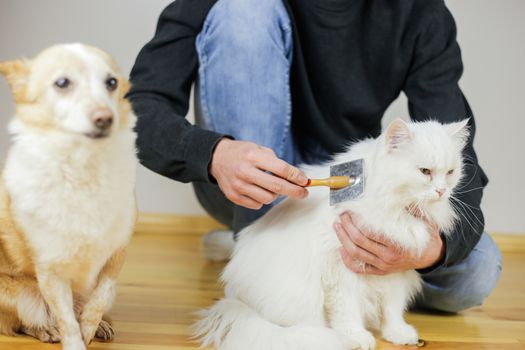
x: 353, y: 169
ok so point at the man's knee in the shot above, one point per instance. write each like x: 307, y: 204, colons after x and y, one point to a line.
x: 474, y: 295
x: 471, y: 283
x: 485, y: 268
x: 247, y: 24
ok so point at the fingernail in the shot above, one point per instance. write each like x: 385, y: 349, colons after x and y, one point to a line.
x: 302, y: 179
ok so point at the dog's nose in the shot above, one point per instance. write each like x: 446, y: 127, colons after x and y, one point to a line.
x: 102, y: 118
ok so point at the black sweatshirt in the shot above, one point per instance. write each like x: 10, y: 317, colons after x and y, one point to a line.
x: 351, y: 59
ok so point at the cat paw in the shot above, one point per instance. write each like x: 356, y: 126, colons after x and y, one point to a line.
x: 403, y: 334
x: 44, y: 334
x: 363, y: 340
x: 105, y: 331
x: 73, y: 343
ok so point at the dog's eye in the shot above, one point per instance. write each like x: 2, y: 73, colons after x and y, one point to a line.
x: 63, y: 83
x: 425, y: 171
x: 111, y: 84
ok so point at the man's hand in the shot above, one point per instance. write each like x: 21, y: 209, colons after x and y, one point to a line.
x: 365, y: 253
x: 241, y: 170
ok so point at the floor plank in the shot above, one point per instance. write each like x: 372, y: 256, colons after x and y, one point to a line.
x: 165, y: 280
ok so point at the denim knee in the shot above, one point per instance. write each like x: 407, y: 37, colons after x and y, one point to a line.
x: 465, y: 284
x: 247, y: 25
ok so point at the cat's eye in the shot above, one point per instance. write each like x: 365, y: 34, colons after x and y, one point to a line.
x: 450, y: 172
x: 63, y: 83
x: 425, y: 171
x: 111, y: 84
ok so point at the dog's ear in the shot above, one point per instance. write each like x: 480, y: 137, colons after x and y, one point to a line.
x: 125, y: 85
x: 124, y: 104
x: 17, y: 74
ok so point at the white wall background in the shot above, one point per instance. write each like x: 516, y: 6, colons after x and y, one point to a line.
x: 491, y: 34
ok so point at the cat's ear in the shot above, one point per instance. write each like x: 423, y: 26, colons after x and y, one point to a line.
x: 459, y: 130
x: 397, y: 134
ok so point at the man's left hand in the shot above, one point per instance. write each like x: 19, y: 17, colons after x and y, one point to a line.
x: 366, y: 253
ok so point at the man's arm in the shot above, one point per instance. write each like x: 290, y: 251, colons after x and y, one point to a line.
x: 169, y: 145
x: 433, y: 93
x: 161, y: 82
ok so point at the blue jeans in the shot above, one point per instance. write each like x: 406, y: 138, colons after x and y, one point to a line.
x: 245, y: 54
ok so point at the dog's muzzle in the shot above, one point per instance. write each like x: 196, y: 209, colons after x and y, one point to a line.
x: 102, y: 120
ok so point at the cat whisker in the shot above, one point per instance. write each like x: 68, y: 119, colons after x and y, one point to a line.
x: 471, y: 206
x: 461, y: 186
x: 466, y: 206
x: 469, y: 158
x: 458, y: 210
x: 475, y: 225
x: 472, y: 189
x: 424, y: 214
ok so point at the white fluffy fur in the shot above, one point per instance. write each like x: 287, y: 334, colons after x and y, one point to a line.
x: 32, y: 309
x: 286, y: 286
x: 88, y: 195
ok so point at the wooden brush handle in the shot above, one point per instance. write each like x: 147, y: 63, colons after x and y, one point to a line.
x: 332, y: 182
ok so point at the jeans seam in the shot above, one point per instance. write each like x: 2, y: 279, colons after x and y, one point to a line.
x: 203, y: 58
x: 287, y: 93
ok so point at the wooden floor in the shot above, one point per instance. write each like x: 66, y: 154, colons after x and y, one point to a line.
x: 165, y: 280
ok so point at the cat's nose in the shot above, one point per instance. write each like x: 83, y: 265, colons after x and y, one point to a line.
x: 440, y: 191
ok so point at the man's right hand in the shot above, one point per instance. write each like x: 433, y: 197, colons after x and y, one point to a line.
x: 241, y: 170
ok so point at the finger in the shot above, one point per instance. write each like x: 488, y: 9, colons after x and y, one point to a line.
x: 432, y: 225
x: 434, y: 228
x: 372, y: 270
x: 356, y: 252
x: 379, y: 239
x: 359, y: 239
x: 244, y: 201
x: 282, y: 169
x: 388, y: 255
x: 277, y: 185
x: 258, y: 194
x: 357, y: 267
x: 415, y: 211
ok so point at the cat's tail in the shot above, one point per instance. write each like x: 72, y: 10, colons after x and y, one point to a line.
x: 232, y: 325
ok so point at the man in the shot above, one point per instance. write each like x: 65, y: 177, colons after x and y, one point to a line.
x: 286, y: 82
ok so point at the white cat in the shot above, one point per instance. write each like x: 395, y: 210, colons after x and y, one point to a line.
x: 286, y: 285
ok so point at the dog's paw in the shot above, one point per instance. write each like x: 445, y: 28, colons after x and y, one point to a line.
x: 105, y: 331
x: 88, y: 330
x: 402, y: 334
x: 44, y: 334
x: 362, y: 340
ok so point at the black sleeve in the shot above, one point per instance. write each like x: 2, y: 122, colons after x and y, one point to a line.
x: 433, y: 93
x: 161, y: 82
